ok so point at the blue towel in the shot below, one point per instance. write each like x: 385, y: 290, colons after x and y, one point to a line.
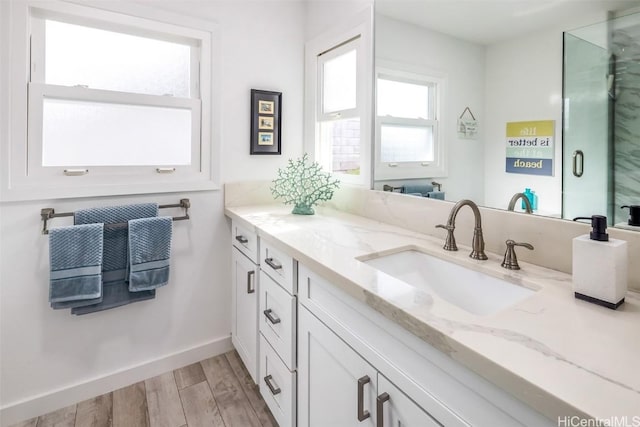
x: 75, y: 255
x: 422, y: 189
x: 436, y: 195
x: 115, y: 257
x: 149, y: 252
x: 115, y: 254
x: 115, y: 294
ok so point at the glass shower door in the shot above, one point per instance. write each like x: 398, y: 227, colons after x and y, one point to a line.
x: 586, y: 124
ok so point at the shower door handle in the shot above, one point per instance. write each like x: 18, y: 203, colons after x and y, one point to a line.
x: 578, y: 163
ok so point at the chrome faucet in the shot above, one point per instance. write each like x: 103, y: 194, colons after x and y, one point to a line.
x: 525, y: 199
x: 477, y: 244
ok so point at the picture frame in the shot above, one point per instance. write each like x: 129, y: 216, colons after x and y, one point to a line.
x: 266, y: 111
x: 265, y: 138
x: 265, y: 122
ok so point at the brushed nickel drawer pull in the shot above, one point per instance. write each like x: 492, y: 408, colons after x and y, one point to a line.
x: 384, y: 397
x: 274, y: 389
x: 362, y: 413
x: 272, y: 317
x: 250, y: 286
x: 273, y: 264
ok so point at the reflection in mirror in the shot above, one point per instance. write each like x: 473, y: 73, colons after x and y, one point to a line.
x: 602, y: 120
x: 488, y: 64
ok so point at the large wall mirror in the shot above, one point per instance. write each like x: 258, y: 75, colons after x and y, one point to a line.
x: 469, y: 94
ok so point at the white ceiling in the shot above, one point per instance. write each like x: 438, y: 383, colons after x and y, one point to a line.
x: 490, y: 21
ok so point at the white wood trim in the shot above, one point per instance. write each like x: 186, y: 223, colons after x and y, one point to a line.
x: 68, y: 395
x: 115, y: 21
x: 110, y: 96
x: 411, y: 170
x: 15, y: 182
x: 323, y: 59
x: 361, y: 24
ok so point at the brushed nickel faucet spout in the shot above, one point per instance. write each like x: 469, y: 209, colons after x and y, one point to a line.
x: 477, y: 244
x: 525, y: 199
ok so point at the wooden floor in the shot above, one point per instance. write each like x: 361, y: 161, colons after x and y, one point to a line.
x: 214, y: 392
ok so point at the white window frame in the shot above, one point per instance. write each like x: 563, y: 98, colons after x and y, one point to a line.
x: 24, y: 177
x: 325, y: 152
x: 417, y: 169
x: 331, y: 43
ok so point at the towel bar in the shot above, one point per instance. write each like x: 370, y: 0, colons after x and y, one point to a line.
x: 48, y: 213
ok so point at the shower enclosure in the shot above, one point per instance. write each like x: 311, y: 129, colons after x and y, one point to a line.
x: 601, y: 119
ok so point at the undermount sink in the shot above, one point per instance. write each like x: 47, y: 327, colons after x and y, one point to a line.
x: 470, y: 290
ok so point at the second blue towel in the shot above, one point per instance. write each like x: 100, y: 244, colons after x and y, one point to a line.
x: 149, y: 252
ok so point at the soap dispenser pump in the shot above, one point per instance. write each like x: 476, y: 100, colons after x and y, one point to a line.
x: 634, y: 214
x: 599, y: 265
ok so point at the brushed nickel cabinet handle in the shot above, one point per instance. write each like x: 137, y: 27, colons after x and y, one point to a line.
x: 242, y: 239
x: 384, y: 397
x: 362, y: 413
x: 273, y: 264
x: 272, y: 317
x: 273, y: 388
x: 250, y: 277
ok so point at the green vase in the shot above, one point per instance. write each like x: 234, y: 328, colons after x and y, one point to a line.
x: 302, y: 209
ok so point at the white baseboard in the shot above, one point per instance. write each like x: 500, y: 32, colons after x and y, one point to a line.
x: 51, y: 401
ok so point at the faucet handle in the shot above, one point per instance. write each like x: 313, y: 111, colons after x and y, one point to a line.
x: 510, y: 260
x: 450, y: 242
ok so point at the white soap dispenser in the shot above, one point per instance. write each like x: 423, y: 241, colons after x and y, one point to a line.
x: 600, y: 266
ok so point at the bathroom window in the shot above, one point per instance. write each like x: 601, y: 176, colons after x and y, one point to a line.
x: 339, y: 87
x: 339, y: 112
x: 407, y: 125
x: 117, y: 103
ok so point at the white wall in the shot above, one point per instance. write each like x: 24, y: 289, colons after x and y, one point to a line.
x: 323, y: 14
x: 44, y: 351
x: 524, y: 83
x: 462, y: 63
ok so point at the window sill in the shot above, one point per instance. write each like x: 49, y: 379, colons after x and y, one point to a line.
x: 45, y: 193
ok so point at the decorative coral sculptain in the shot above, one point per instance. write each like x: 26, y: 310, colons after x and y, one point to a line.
x: 303, y: 185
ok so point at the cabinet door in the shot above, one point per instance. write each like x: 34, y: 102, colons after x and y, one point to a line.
x: 336, y: 386
x: 244, y: 324
x: 395, y: 409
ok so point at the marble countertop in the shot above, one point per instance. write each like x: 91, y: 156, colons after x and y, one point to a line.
x: 560, y: 355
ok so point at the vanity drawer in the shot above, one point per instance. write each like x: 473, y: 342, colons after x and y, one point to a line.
x: 246, y: 241
x: 278, y: 319
x: 277, y: 385
x: 279, y: 266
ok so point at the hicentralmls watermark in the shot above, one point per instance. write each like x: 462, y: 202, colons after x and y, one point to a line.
x: 576, y: 421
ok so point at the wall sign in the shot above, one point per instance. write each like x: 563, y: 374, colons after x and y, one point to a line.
x: 530, y: 147
x: 467, y: 127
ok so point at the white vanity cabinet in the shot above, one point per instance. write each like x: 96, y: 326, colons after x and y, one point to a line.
x: 353, y: 359
x: 322, y: 357
x: 277, y: 323
x: 245, y: 275
x: 244, y: 297
x: 337, y: 387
